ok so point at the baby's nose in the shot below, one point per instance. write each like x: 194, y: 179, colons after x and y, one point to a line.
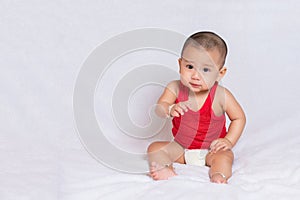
x: 196, y: 75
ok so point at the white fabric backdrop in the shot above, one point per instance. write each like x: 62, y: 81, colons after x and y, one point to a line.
x: 43, y: 45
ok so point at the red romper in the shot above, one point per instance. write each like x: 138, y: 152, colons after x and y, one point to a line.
x: 196, y: 130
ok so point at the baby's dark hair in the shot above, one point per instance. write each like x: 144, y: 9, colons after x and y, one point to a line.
x: 209, y: 41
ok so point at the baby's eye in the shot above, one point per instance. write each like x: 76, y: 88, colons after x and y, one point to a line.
x: 206, y: 70
x: 190, y: 66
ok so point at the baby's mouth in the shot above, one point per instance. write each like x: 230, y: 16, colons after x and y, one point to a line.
x: 195, y: 85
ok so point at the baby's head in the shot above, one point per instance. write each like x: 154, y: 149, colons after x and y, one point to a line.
x: 202, y: 61
x: 208, y: 41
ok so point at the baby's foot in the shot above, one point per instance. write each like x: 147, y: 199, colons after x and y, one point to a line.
x: 218, y: 177
x: 158, y: 172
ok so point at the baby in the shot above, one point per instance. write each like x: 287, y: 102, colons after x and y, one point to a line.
x: 197, y: 104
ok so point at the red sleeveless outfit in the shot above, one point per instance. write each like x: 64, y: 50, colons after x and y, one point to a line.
x: 196, y: 130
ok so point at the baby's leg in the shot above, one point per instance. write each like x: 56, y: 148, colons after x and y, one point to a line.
x: 161, y: 155
x: 220, y: 164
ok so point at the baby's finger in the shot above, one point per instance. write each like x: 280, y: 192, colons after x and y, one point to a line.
x: 213, y: 149
x: 219, y: 146
x: 179, y: 110
x: 213, y: 144
x: 175, y: 114
x: 225, y: 148
x: 184, y: 107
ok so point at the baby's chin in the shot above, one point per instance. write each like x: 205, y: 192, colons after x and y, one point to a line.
x: 198, y: 90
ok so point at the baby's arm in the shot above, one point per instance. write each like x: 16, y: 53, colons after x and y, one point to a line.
x: 236, y: 116
x: 165, y: 104
x: 167, y: 99
x: 235, y: 129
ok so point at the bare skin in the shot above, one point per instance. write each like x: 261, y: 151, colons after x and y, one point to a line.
x: 161, y: 156
x: 220, y: 162
x: 158, y: 172
x: 199, y: 70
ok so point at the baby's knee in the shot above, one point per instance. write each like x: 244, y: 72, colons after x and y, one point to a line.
x: 153, y: 147
x: 228, y: 154
x: 223, y: 156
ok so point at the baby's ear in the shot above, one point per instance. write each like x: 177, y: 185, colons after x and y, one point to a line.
x: 222, y: 72
x: 179, y: 63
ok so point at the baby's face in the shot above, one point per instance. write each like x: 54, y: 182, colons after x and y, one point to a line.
x: 200, y: 69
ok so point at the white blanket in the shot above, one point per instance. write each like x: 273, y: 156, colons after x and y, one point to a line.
x: 268, y: 167
x: 43, y: 46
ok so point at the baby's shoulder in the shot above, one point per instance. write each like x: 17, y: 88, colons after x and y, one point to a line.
x: 173, y: 86
x: 221, y: 90
x: 220, y: 94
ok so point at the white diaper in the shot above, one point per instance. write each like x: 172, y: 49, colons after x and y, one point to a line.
x: 195, y: 156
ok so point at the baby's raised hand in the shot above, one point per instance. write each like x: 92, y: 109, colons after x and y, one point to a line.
x: 178, y: 109
x: 220, y: 144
